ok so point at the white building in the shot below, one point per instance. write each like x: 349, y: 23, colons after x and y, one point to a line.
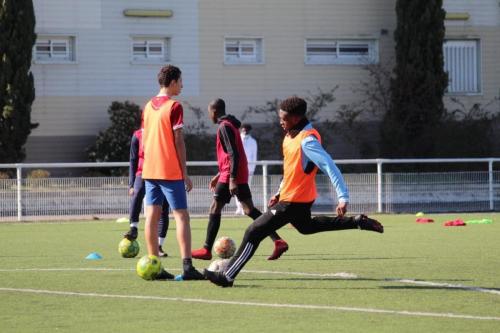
x: 92, y: 52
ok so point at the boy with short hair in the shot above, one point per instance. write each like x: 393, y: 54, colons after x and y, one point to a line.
x: 232, y: 179
x: 303, y: 155
x: 165, y: 169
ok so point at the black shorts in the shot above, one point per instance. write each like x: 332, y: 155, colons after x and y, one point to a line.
x: 223, y: 195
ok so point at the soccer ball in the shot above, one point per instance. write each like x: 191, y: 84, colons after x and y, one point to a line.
x: 224, y: 247
x: 148, y: 267
x: 218, y: 265
x: 128, y: 249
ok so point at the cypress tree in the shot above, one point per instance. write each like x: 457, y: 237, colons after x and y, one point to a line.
x: 17, y: 92
x: 410, y: 126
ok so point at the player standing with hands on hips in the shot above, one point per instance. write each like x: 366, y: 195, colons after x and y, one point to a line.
x: 303, y: 154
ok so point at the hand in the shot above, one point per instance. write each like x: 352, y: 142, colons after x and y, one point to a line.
x: 213, y: 183
x: 341, y: 208
x: 131, y: 191
x: 188, y: 184
x: 233, y: 187
x: 273, y: 201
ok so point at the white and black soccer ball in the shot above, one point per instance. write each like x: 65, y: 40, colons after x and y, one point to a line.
x: 224, y: 247
x: 218, y: 265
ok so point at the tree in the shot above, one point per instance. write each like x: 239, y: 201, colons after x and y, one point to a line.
x: 410, y: 126
x: 17, y: 91
x: 113, y: 144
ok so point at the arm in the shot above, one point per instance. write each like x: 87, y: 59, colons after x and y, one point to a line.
x: 229, y: 144
x: 133, y: 160
x: 180, y: 147
x: 313, y: 150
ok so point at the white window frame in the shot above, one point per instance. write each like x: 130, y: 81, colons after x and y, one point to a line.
x: 467, y: 73
x: 333, y: 54
x: 52, y: 55
x: 148, y: 56
x: 240, y: 57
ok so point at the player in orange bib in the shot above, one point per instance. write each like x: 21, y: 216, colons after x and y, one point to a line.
x: 303, y: 154
x: 164, y: 169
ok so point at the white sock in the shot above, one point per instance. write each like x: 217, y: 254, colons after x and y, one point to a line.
x: 134, y: 224
x: 161, y: 240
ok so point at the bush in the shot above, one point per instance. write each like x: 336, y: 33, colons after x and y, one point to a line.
x: 4, y: 175
x: 38, y: 174
x: 113, y: 144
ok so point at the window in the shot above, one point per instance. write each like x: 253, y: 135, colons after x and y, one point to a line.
x: 55, y: 49
x: 329, y: 51
x: 243, y: 51
x: 461, y: 62
x: 150, y: 50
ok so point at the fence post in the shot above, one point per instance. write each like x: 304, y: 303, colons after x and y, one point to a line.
x: 490, y: 183
x: 19, y: 174
x: 379, y: 186
x: 264, y: 186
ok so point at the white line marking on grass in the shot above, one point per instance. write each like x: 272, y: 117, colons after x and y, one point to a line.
x: 339, y: 275
x: 256, y: 304
x: 343, y: 275
x: 446, y: 285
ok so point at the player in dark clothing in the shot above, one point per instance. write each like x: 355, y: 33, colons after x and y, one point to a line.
x: 137, y: 192
x: 303, y: 155
x: 232, y: 179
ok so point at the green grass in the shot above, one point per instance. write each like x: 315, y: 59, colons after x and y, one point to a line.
x: 466, y: 256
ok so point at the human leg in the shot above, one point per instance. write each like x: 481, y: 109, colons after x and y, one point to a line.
x: 163, y: 228
x: 245, y: 196
x: 175, y: 194
x: 328, y: 223
x: 220, y: 199
x: 254, y: 234
x: 135, y: 208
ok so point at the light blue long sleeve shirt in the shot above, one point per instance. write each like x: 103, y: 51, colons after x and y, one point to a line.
x: 314, y: 152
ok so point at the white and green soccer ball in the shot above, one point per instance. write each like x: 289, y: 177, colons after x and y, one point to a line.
x: 128, y: 249
x: 148, y: 267
x: 218, y: 265
x: 224, y: 247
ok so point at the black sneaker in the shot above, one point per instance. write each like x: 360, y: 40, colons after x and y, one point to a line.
x: 131, y: 234
x: 366, y: 223
x: 217, y: 278
x: 192, y: 274
x: 161, y: 253
x: 164, y: 275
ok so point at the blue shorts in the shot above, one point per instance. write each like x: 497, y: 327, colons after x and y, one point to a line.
x: 173, y: 191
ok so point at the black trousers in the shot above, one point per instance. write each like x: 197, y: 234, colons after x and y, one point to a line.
x: 136, y: 207
x: 298, y: 214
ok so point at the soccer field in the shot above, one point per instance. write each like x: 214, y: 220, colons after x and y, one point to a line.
x: 413, y: 278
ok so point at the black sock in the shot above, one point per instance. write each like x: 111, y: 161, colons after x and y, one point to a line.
x: 187, y: 263
x: 212, y: 230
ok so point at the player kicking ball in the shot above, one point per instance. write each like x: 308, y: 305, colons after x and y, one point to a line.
x: 303, y: 154
x: 232, y: 179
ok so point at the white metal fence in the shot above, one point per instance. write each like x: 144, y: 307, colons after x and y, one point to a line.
x: 374, y: 191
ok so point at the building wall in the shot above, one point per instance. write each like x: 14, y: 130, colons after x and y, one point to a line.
x: 72, y: 99
x: 284, y: 25
x: 483, y: 24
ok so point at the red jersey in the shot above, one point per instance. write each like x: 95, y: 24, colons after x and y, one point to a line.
x: 231, y: 157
